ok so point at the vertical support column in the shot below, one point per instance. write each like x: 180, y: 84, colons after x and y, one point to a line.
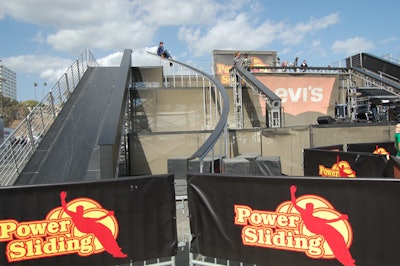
x: 237, y: 98
x: 352, y: 99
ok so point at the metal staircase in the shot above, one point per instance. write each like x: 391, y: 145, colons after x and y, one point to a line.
x: 372, y: 79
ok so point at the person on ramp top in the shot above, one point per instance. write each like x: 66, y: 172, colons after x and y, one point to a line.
x: 161, y: 51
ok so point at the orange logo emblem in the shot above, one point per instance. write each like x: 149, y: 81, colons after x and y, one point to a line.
x: 308, y: 224
x: 81, y: 226
x: 339, y: 169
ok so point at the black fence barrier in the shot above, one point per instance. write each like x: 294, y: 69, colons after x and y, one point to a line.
x: 375, y: 148
x: 108, y: 222
x: 359, y: 160
x: 295, y: 220
x: 393, y: 166
x: 327, y: 163
x: 338, y: 147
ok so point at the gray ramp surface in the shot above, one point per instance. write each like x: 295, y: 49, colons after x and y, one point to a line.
x: 69, y: 151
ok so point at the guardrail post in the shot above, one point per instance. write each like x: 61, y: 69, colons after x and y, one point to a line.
x: 79, y: 73
x: 42, y: 120
x: 73, y: 77
x: 67, y: 84
x: 59, y: 92
x: 53, y: 109
x: 14, y: 159
x: 30, y: 133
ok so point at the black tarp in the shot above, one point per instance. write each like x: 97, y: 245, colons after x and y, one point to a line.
x: 370, y: 231
x: 144, y: 212
x: 268, y: 165
x: 253, y: 164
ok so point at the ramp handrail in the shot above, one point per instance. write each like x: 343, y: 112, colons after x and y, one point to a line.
x: 221, y: 101
x: 20, y: 145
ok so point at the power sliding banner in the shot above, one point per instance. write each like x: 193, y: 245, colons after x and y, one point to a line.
x: 295, y: 221
x: 387, y: 148
x: 360, y: 160
x: 95, y: 223
x: 327, y: 163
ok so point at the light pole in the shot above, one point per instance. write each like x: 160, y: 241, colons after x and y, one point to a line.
x: 34, y: 88
x: 43, y: 88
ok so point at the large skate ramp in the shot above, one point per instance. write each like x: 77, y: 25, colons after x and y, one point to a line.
x: 72, y: 148
x: 69, y: 150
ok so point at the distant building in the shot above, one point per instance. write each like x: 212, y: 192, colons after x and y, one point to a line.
x: 8, y: 82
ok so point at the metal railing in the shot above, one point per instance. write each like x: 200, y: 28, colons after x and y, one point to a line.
x: 216, y: 110
x: 298, y: 70
x: 215, y: 103
x: 20, y: 145
x: 389, y: 57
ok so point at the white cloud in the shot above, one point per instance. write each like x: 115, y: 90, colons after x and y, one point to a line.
x: 206, y: 25
x: 67, y: 14
x: 36, y: 63
x: 241, y: 33
x: 352, y: 46
x: 35, y: 68
x: 177, y: 12
x: 113, y: 59
x: 74, y: 25
x: 108, y: 25
x: 295, y: 34
x: 104, y: 37
x: 389, y: 40
x: 38, y: 38
x: 237, y: 33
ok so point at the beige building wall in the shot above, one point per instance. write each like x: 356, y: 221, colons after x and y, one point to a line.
x: 175, y: 127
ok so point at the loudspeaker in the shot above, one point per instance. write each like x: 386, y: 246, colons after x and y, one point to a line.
x: 325, y: 120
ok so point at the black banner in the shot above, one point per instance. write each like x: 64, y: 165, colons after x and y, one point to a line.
x: 338, y: 147
x: 344, y: 164
x: 295, y: 220
x: 95, y: 223
x: 375, y: 148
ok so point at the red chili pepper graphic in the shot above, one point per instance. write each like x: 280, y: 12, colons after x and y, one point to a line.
x: 92, y: 226
x: 321, y: 227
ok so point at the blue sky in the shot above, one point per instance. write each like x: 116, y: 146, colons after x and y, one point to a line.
x: 40, y: 41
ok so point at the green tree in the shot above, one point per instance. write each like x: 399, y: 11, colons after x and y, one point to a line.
x: 13, y: 112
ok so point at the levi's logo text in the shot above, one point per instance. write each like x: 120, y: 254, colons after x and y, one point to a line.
x: 339, y: 169
x: 81, y: 226
x: 308, y: 224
